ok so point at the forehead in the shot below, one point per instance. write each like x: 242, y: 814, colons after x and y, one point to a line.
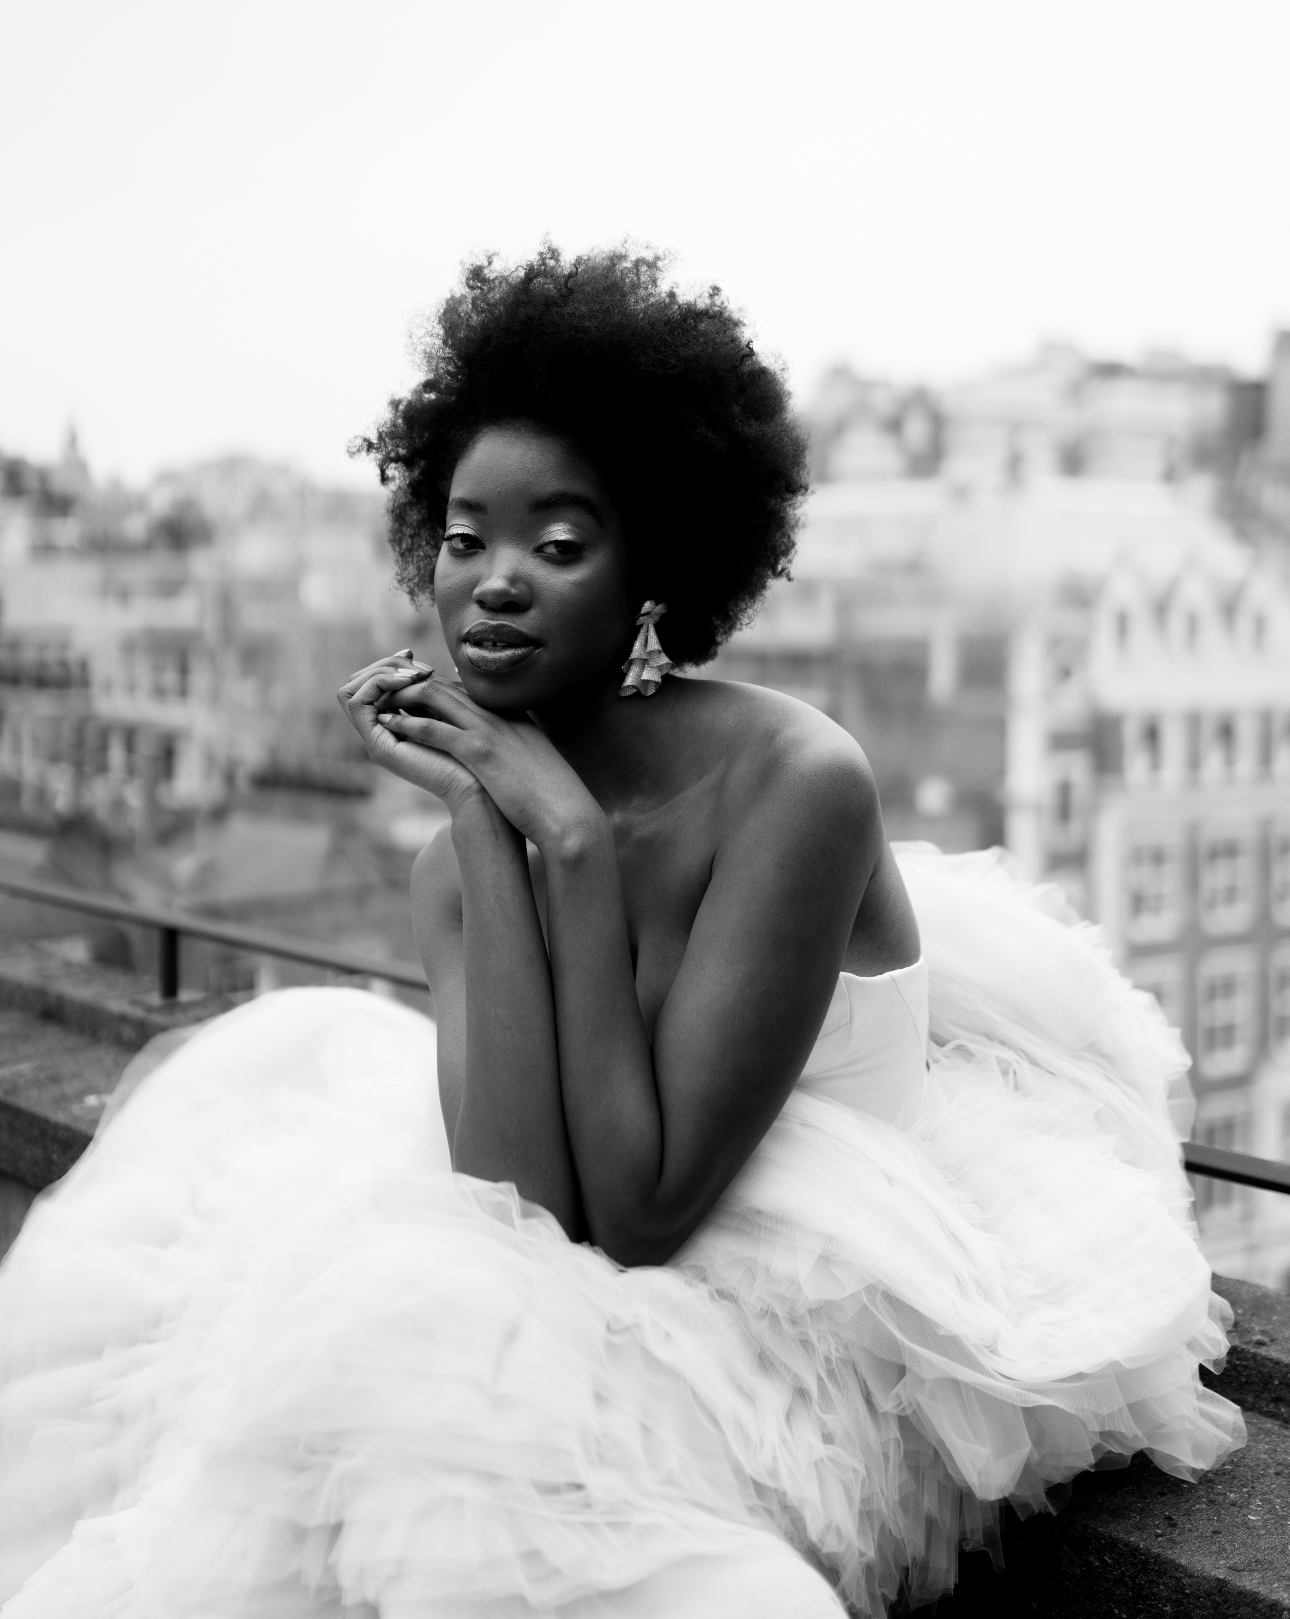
x: 519, y: 459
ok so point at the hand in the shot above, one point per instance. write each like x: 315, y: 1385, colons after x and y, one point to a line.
x: 366, y: 694
x: 511, y: 759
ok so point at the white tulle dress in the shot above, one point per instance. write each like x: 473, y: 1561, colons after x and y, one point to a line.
x: 262, y: 1353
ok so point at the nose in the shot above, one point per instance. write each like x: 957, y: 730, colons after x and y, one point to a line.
x: 503, y: 589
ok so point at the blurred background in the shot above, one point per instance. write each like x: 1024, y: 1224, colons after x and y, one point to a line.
x: 1028, y: 269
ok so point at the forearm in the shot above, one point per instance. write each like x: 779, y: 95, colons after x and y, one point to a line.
x: 510, y: 1126
x: 611, y: 1100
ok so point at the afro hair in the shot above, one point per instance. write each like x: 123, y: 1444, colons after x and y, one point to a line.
x: 664, y: 394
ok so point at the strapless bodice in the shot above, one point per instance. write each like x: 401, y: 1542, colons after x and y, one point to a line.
x: 871, y: 1052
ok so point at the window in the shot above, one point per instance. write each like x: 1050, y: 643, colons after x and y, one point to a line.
x: 1152, y: 747
x: 1193, y: 746
x: 1162, y: 977
x: 1230, y: 1130
x: 1265, y: 734
x: 1279, y: 1001
x: 1064, y: 802
x: 1146, y: 742
x: 1226, y: 881
x: 1224, y: 749
x: 1279, y: 872
x: 1153, y: 888
x: 1225, y: 1014
x: 1068, y: 800
x: 1281, y: 747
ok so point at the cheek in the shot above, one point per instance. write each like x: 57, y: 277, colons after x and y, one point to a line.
x: 451, y: 583
x: 596, y: 621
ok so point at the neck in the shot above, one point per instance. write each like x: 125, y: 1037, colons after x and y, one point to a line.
x: 613, y: 742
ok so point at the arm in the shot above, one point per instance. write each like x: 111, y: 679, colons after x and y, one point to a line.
x: 658, y: 1135
x: 481, y: 944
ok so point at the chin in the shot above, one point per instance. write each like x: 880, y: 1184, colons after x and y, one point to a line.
x: 500, y: 695
x: 515, y: 691
x: 523, y: 691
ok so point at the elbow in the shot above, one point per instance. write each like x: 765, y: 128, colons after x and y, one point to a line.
x: 636, y: 1238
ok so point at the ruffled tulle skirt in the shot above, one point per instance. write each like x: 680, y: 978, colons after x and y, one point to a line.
x: 262, y: 1354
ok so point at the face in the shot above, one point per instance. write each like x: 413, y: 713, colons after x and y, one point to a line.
x: 531, y: 581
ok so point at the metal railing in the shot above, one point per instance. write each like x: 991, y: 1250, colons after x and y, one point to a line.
x: 1265, y: 1174
x: 1222, y: 1165
x: 171, y: 926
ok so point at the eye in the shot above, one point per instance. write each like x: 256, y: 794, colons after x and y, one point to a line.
x: 461, y: 540
x: 561, y: 542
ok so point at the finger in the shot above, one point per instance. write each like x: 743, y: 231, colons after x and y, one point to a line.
x: 448, y: 700
x: 351, y: 686
x: 359, y: 675
x: 355, y: 680
x: 427, y: 733
x: 380, y: 683
x: 407, y: 695
x: 360, y: 706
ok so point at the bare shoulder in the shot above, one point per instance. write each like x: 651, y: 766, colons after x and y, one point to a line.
x: 799, y: 792
x: 780, y: 753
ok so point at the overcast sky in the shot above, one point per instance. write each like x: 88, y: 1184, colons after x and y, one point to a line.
x: 218, y: 219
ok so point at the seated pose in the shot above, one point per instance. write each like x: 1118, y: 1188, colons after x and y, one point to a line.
x: 763, y: 1209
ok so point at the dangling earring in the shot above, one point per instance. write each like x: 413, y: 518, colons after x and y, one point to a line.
x: 648, y: 663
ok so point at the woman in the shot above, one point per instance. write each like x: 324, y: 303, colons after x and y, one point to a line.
x: 707, y: 1295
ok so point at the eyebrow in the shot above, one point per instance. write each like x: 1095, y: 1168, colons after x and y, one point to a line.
x: 545, y: 503
x: 568, y: 497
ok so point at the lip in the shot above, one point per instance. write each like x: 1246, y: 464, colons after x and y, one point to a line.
x: 494, y: 647
x: 497, y: 660
x: 492, y: 630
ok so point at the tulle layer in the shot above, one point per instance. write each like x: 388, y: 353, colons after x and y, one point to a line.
x: 263, y: 1355
x: 348, y: 1382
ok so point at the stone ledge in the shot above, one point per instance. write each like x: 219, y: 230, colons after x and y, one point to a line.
x: 1257, y: 1373
x: 54, y: 1082
x: 104, y: 1003
x: 67, y: 1031
x: 1134, y: 1543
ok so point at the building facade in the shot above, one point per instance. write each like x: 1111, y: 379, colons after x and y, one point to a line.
x: 1097, y: 674
x: 158, y: 647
